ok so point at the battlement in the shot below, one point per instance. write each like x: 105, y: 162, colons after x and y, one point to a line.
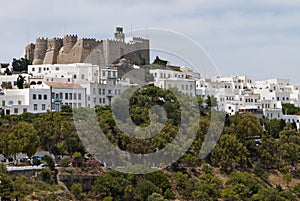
x: 71, y: 35
x: 71, y: 49
x: 41, y: 39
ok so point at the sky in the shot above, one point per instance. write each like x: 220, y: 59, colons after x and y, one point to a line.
x: 258, y: 38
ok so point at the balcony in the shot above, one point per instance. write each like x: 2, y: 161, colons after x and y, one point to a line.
x: 57, y: 100
x: 110, y: 95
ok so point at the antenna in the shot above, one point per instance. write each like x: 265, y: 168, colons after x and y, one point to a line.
x: 27, y: 36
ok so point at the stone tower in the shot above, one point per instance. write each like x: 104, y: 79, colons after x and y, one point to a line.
x: 39, y: 51
x: 29, y: 51
x: 54, y: 45
x: 68, y: 42
x: 119, y: 35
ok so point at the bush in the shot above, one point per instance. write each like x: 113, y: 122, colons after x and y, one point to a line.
x: 50, y: 162
x: 45, y: 174
x: 76, y: 189
x: 50, y: 197
x: 108, y: 198
x: 65, y: 162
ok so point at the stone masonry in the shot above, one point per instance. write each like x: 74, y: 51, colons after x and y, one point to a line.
x: 70, y: 49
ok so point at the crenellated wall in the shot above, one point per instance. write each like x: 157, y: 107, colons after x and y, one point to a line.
x: 40, y: 51
x: 70, y: 49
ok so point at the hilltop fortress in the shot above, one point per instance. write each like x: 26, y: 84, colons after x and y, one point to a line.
x: 70, y: 49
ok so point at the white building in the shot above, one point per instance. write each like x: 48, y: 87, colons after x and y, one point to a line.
x: 185, y: 82
x: 12, y: 79
x: 66, y: 73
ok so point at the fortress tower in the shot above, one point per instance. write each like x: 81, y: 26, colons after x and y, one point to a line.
x: 53, y: 47
x: 119, y: 35
x: 29, y: 51
x: 70, y: 49
x: 68, y: 42
x: 39, y: 51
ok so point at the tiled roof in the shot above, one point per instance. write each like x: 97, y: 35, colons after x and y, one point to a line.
x: 60, y: 84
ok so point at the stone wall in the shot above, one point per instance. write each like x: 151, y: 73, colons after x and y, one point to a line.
x: 70, y: 49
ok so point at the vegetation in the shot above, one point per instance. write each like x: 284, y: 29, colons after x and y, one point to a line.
x: 20, y: 65
x: 239, y: 167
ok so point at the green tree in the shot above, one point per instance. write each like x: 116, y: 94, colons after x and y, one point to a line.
x: 50, y: 162
x: 111, y: 184
x: 241, y: 186
x: 7, y: 71
x: 22, y: 138
x: 76, y: 189
x: 159, y: 61
x: 66, y: 109
x: 211, y: 101
x: 57, y: 133
x: 6, y: 85
x: 289, y: 145
x: 20, y: 81
x: 156, y: 197
x: 144, y: 189
x: 78, y: 159
x: 6, y: 184
x: 228, y: 153
x: 20, y: 64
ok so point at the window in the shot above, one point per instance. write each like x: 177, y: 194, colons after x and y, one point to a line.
x: 79, y: 96
x: 74, y: 76
x: 70, y: 96
x: 74, y: 105
x: 19, y: 102
x: 79, y: 104
x: 52, y: 95
x: 89, y: 98
x: 56, y: 68
x: 99, y: 91
x: 34, y: 96
x: 32, y: 69
x: 10, y: 102
x: 103, y: 100
x: 16, y: 110
x: 75, y: 96
x: 56, y: 96
x: 35, y: 107
x: 43, y: 107
x: 103, y: 91
x: 3, y: 102
x: 82, y: 77
x: 45, y: 96
x: 66, y: 96
x: 100, y: 100
x: 24, y: 110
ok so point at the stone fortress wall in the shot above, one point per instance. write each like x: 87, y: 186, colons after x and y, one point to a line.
x: 70, y: 49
